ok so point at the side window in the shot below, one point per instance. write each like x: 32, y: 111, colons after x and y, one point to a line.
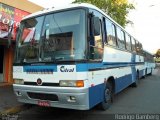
x: 121, y: 38
x: 98, y: 38
x: 128, y: 42
x: 140, y: 49
x: 133, y: 45
x: 111, y: 33
x: 137, y: 47
x: 98, y: 47
x: 96, y: 44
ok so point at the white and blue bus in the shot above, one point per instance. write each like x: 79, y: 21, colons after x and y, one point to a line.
x: 74, y: 57
x: 149, y: 62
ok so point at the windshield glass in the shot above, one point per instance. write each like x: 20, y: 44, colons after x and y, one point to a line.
x: 56, y: 36
x: 29, y: 39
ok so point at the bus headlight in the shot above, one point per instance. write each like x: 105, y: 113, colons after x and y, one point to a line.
x: 71, y: 83
x: 19, y: 81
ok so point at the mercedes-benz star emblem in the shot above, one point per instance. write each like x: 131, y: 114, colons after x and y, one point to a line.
x: 39, y: 81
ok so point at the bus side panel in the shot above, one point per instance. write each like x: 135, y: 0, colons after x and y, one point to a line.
x: 141, y: 73
x: 141, y: 69
x: 96, y: 94
x: 123, y: 78
x: 134, y: 73
x: 114, y: 56
x: 122, y: 82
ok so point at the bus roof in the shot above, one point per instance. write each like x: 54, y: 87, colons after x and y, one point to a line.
x: 148, y: 52
x: 75, y: 5
x: 52, y: 9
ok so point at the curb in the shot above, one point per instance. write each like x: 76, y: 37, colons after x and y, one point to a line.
x: 14, y: 110
x: 5, y: 84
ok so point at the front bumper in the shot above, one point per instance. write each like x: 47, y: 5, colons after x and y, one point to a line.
x: 81, y: 96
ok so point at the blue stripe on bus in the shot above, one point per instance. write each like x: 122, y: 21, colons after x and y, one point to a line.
x: 80, y: 67
x: 88, y: 66
x: 40, y: 68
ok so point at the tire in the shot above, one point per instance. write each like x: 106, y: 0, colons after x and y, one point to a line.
x: 108, y: 97
x: 135, y: 84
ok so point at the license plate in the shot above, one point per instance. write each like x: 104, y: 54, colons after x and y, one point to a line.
x: 44, y: 103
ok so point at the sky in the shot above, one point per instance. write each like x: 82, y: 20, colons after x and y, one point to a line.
x: 145, y: 18
x: 146, y: 23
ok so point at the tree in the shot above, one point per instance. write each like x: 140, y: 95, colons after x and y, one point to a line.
x: 157, y: 55
x: 116, y: 9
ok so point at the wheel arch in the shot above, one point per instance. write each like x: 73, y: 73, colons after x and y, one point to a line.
x: 111, y: 80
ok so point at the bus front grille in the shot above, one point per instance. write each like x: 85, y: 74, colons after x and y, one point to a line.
x: 43, y: 96
x: 43, y: 84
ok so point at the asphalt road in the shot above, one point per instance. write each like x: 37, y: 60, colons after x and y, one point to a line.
x: 145, y: 99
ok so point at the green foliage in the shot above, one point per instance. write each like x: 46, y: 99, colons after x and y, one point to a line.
x: 116, y: 9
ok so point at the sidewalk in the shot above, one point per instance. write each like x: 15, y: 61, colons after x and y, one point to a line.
x: 8, y: 101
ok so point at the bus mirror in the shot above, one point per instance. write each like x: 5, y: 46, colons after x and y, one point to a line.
x: 31, y: 23
x: 96, y: 24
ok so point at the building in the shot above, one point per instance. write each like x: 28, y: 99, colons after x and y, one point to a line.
x: 11, y: 13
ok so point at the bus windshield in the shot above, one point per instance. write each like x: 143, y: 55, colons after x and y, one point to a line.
x: 52, y: 37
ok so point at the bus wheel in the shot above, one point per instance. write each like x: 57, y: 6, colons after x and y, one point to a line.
x: 135, y: 84
x: 108, y: 96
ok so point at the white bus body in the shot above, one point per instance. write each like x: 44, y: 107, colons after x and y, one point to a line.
x: 82, y: 80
